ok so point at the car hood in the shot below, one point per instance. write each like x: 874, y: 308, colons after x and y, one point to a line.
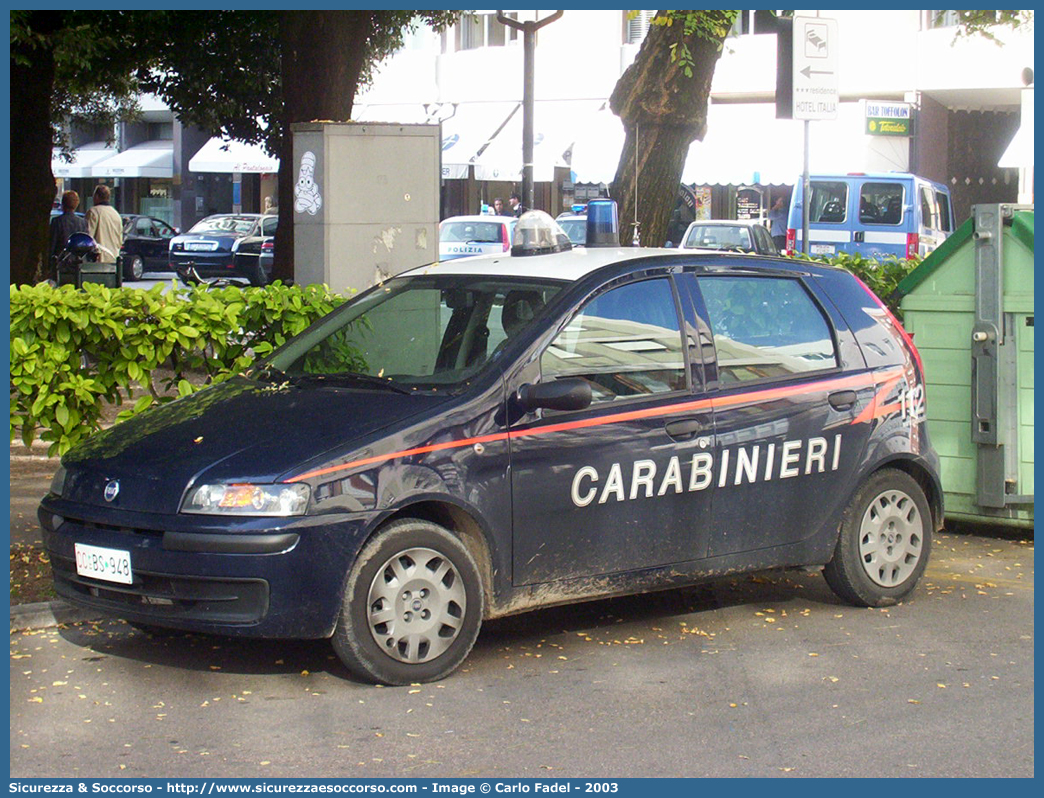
x: 240, y: 431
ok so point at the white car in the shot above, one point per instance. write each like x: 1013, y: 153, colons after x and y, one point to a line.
x: 733, y: 235
x: 464, y: 236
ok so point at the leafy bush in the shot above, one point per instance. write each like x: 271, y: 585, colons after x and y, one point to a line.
x: 881, y: 277
x: 74, y: 351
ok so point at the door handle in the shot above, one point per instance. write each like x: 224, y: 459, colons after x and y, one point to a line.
x: 683, y: 429
x: 842, y: 400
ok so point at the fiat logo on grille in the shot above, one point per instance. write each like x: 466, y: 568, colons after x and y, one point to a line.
x: 112, y: 489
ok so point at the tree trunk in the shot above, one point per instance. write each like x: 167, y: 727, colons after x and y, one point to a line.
x: 323, y: 54
x: 32, y: 184
x: 663, y: 112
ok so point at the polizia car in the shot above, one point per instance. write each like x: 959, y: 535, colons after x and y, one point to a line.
x: 482, y: 436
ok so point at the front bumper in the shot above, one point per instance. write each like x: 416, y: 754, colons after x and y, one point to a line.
x: 263, y: 577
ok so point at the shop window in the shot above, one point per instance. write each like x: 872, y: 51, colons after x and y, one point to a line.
x: 480, y: 29
x: 636, y: 25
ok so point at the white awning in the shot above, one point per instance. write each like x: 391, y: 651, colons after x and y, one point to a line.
x: 149, y: 159
x: 596, y: 150
x: 468, y: 130
x: 83, y: 159
x: 232, y: 156
x: 556, y: 124
x: 404, y: 113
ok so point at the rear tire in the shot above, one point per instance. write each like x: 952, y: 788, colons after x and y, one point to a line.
x: 884, y: 541
x: 412, y: 606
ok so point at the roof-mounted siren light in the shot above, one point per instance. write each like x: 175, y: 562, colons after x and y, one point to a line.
x: 603, y: 223
x: 536, y: 233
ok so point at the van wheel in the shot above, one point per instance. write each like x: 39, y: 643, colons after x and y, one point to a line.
x: 412, y: 606
x: 884, y: 541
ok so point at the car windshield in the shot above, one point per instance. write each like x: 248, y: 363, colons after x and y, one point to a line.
x: 480, y: 232
x: 719, y: 236
x: 225, y: 224
x: 424, y: 333
x: 576, y: 229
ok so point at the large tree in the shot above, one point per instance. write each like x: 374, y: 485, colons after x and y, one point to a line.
x: 60, y: 61
x: 280, y: 67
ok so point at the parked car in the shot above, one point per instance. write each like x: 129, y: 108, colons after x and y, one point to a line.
x: 873, y: 214
x: 146, y: 245
x: 494, y: 434
x: 463, y: 236
x: 209, y: 249
x: 575, y: 226
x: 253, y: 256
x: 730, y: 235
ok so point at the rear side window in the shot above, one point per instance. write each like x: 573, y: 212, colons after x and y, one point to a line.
x: 881, y: 203
x: 943, y: 201
x: 765, y: 327
x: 829, y: 201
x: 268, y: 226
x: 929, y: 214
x: 625, y: 342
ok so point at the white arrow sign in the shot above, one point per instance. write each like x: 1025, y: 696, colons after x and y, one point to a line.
x: 815, y: 68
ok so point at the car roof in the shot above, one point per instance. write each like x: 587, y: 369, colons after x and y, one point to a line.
x: 725, y: 222
x: 570, y: 265
x: 479, y: 217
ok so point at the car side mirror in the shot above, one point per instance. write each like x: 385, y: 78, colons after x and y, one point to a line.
x: 569, y: 393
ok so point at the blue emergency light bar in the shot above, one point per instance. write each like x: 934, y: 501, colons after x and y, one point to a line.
x: 603, y: 223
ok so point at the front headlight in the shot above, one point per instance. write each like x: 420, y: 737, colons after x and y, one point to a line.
x: 248, y: 499
x: 58, y: 482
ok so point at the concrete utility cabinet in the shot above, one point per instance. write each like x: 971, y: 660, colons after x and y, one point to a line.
x: 969, y: 306
x: 366, y: 201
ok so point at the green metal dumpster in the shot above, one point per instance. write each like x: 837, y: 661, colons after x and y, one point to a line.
x: 969, y: 307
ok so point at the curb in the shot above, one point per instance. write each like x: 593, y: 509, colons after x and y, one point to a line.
x: 47, y: 614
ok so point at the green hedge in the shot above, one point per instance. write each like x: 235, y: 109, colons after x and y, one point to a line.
x: 73, y: 351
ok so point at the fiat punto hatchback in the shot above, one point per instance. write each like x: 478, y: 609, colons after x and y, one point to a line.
x: 479, y: 437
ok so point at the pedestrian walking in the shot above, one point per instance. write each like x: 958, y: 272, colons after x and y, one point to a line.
x: 105, y: 226
x: 777, y: 217
x: 63, y: 226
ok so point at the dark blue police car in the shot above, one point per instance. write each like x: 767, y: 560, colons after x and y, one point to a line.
x: 483, y: 436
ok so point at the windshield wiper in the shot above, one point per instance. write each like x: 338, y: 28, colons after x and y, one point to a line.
x: 349, y: 378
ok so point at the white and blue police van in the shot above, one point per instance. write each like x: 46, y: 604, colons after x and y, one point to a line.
x: 874, y: 214
x: 482, y: 436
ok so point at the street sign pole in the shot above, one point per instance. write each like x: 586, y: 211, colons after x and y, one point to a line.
x: 806, y: 190
x: 815, y: 95
x: 529, y: 30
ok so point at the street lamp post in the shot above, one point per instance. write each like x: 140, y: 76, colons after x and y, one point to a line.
x: 529, y: 29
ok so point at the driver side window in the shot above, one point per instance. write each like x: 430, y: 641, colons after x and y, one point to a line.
x: 626, y: 342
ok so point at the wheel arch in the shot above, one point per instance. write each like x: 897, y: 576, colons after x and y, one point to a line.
x: 461, y: 523
x: 924, y: 478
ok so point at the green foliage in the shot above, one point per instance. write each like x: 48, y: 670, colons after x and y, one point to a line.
x: 710, y: 25
x: 74, y: 351
x: 881, y: 277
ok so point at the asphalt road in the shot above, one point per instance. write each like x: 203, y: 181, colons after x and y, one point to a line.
x: 756, y: 676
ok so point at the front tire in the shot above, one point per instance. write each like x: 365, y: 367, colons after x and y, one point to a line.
x: 134, y: 268
x: 884, y: 541
x: 412, y: 606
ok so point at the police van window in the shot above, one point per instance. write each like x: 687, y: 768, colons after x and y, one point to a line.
x: 929, y: 215
x: 430, y: 332
x: 625, y: 342
x: 765, y: 327
x: 829, y: 201
x: 479, y: 232
x: 881, y: 203
x: 943, y: 201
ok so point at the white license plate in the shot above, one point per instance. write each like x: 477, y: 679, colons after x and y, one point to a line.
x: 200, y: 246
x: 112, y: 565
x: 823, y: 249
